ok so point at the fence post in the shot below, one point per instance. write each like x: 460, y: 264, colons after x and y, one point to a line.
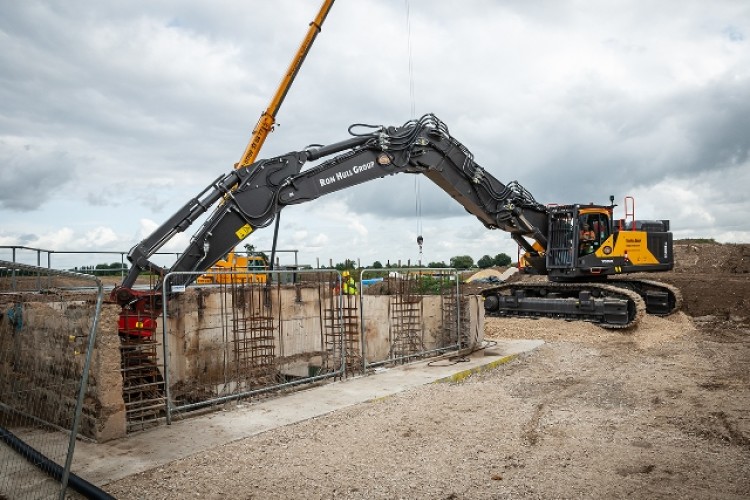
x: 165, y: 347
x: 82, y: 389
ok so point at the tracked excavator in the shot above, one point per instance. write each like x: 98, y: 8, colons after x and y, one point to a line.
x: 581, y: 249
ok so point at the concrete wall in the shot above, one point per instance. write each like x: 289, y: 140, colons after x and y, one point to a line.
x: 377, y: 327
x: 41, y: 363
x: 106, y: 409
x: 198, y: 322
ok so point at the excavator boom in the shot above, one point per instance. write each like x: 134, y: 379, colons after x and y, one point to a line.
x: 252, y: 196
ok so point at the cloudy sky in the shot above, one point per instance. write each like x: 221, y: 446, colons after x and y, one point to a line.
x: 114, y: 114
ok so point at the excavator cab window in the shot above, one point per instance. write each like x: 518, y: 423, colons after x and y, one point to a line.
x: 601, y: 229
x: 586, y: 236
x: 594, y: 230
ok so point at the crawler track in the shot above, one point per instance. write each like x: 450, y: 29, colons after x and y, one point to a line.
x: 607, y: 305
x: 661, y: 299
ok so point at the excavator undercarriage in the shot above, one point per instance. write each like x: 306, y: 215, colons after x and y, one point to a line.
x: 616, y: 303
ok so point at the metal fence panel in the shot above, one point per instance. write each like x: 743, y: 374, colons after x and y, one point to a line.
x: 46, y: 341
x: 240, y: 339
x: 426, y: 315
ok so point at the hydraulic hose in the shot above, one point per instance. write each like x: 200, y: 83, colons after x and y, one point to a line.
x: 49, y: 467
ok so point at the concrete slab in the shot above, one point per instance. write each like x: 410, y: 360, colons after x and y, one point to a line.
x: 107, y: 462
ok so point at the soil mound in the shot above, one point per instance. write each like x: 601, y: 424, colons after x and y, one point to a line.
x: 713, y: 278
x: 695, y: 256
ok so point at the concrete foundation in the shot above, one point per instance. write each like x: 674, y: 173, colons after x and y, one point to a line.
x: 41, y: 361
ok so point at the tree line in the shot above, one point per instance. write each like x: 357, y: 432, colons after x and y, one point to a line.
x: 457, y: 262
x: 113, y: 269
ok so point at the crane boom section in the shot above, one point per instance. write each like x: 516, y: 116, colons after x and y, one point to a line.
x: 268, y: 119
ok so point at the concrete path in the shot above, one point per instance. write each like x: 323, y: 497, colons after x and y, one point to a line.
x: 107, y: 462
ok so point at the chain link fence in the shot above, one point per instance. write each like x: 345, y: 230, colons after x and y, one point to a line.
x: 47, y: 334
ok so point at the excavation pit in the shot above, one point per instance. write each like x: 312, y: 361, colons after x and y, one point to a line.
x: 234, y: 342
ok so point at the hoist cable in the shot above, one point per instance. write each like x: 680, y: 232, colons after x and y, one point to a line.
x: 411, y: 63
x: 418, y: 205
x: 412, y: 100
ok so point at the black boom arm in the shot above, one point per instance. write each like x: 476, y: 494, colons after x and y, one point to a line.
x: 251, y: 197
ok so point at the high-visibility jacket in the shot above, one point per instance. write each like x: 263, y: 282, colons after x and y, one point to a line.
x: 349, y: 286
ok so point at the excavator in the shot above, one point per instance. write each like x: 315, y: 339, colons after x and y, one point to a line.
x: 581, y: 248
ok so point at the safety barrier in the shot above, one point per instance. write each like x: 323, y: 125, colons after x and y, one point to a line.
x: 245, y: 339
x: 46, y: 343
x: 98, y: 263
x: 426, y: 313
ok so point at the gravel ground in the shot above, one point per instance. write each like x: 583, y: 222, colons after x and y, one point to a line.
x: 658, y: 412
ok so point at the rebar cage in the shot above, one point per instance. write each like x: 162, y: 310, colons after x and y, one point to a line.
x: 427, y: 315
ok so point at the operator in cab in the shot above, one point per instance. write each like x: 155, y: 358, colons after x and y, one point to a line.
x: 586, y: 240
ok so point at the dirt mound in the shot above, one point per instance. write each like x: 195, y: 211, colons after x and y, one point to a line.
x: 713, y: 278
x: 381, y: 288
x: 694, y: 256
x: 651, y: 330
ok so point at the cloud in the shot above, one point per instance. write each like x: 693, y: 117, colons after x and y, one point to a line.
x: 63, y: 238
x: 31, y: 174
x: 100, y: 237
x: 313, y: 242
x: 16, y: 239
x: 114, y: 114
x: 698, y: 207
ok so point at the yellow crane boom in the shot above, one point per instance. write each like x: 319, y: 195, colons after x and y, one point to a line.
x: 268, y: 118
x: 232, y: 262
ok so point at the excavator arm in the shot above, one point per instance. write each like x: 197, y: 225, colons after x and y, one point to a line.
x: 251, y: 197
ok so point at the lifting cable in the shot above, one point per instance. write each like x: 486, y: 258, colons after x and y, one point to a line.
x: 411, y: 64
x: 418, y: 212
x: 412, y: 98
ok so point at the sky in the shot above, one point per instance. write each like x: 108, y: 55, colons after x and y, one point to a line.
x: 113, y: 115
